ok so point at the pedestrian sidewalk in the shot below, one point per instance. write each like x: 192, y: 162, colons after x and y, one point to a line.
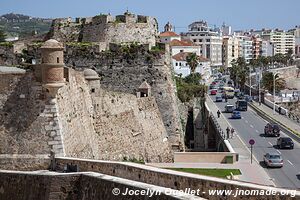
x: 280, y: 118
x: 250, y: 172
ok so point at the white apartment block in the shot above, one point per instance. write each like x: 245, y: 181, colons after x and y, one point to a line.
x: 209, y: 41
x: 296, y: 33
x: 182, y: 68
x: 230, y: 50
x: 283, y: 41
x: 178, y: 46
x: 245, y: 48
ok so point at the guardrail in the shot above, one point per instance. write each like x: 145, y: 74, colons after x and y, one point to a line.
x: 292, y: 133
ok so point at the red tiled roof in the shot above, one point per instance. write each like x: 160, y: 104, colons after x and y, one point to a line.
x: 182, y: 57
x: 168, y: 34
x: 182, y: 43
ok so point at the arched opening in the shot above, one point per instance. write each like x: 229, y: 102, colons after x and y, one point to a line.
x: 57, y: 59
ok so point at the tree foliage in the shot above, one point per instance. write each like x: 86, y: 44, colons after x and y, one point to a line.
x: 268, y: 82
x: 239, y: 72
x: 192, y: 61
x: 2, y: 36
x: 190, y: 87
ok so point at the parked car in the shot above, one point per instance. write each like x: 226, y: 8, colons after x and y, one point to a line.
x: 213, y: 92
x: 272, y: 129
x: 285, y: 142
x: 219, y: 98
x: 229, y: 108
x: 273, y: 159
x: 236, y: 115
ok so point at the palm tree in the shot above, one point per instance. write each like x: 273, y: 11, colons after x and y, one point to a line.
x: 239, y: 72
x: 268, y: 82
x: 193, y: 61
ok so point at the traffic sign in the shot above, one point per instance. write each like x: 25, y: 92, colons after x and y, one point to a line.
x: 251, y: 142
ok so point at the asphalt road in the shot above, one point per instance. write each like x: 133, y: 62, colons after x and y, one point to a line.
x: 251, y: 126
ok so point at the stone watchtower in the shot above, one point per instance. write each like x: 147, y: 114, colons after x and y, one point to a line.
x: 52, y: 66
x: 93, y: 80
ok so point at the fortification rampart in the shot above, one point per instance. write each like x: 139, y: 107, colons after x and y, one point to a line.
x: 141, y: 175
x: 105, y: 29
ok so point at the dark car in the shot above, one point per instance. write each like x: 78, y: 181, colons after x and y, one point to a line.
x: 285, y: 142
x: 272, y: 130
x: 219, y: 98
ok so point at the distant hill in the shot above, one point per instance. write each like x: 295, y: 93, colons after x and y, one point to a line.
x: 23, y: 25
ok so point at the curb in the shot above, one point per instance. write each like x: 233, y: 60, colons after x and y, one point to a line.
x: 290, y: 132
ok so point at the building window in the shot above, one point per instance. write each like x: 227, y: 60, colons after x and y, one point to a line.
x: 180, y: 64
x: 176, y: 63
x: 166, y: 39
x: 207, y: 40
x: 194, y: 40
x: 181, y: 50
x: 57, y: 59
x: 93, y: 90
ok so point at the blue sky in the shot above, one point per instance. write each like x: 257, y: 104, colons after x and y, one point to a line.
x: 240, y: 14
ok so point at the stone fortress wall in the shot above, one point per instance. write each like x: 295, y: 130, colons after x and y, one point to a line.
x: 105, y: 29
x: 122, y: 126
x: 123, y: 69
x: 84, y: 121
x: 126, y: 70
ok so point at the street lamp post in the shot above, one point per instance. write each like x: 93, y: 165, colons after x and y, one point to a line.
x: 259, y: 87
x: 250, y: 80
x: 274, y: 77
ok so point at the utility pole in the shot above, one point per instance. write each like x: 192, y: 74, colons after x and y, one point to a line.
x: 274, y: 75
x: 250, y: 80
x: 259, y: 86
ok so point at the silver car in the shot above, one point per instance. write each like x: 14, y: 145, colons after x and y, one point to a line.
x: 273, y: 159
x: 229, y: 108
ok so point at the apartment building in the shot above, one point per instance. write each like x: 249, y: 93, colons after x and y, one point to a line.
x: 208, y: 39
x: 230, y: 50
x: 282, y: 40
x: 182, y: 68
x: 245, y: 47
x: 296, y: 33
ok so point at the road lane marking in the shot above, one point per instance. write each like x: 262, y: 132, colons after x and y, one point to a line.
x: 251, y: 125
x: 256, y: 131
x: 290, y: 162
x: 271, y: 144
x: 246, y: 121
x: 278, y: 151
